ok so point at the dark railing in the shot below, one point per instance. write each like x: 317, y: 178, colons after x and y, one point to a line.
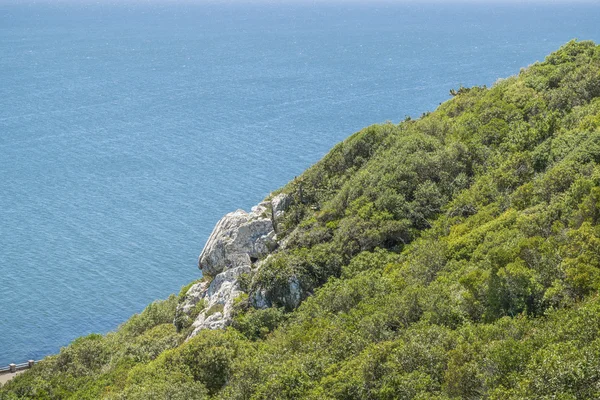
x: 11, y: 368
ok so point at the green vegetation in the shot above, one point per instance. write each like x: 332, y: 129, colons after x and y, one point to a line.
x: 456, y: 256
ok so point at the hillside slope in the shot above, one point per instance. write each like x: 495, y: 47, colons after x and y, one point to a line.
x: 456, y: 256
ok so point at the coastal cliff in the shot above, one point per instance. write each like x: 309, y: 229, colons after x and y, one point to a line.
x: 453, y: 256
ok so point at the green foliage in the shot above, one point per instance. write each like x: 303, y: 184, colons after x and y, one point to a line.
x: 151, y: 343
x: 258, y: 323
x: 159, y: 312
x: 208, y: 357
x: 453, y: 256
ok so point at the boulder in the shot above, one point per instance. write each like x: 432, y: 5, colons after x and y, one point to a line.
x: 239, y: 238
x: 279, y: 205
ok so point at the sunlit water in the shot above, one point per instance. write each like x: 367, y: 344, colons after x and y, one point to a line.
x: 126, y: 132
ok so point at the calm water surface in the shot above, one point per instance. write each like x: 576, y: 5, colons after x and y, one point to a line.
x: 126, y: 132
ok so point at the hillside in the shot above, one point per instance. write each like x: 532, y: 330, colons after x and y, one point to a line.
x: 456, y: 256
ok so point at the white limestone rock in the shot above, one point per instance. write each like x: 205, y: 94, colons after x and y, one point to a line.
x: 194, y: 294
x: 219, y: 297
x: 236, y: 245
x: 279, y: 205
x: 238, y: 239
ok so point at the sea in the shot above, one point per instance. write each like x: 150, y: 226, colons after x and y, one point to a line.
x: 127, y: 129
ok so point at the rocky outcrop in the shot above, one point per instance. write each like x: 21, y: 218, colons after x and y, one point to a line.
x: 219, y: 299
x: 236, y: 246
x: 279, y: 205
x: 239, y: 238
x: 194, y: 294
x: 288, y: 296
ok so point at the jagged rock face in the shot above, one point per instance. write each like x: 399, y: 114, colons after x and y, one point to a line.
x: 194, y: 294
x: 280, y: 204
x: 219, y: 298
x: 238, y: 239
x: 235, y: 246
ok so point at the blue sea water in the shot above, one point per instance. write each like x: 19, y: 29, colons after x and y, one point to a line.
x: 127, y: 131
